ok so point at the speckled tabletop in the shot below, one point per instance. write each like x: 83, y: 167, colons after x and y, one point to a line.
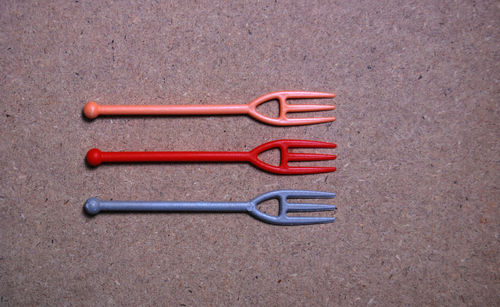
x: 417, y: 129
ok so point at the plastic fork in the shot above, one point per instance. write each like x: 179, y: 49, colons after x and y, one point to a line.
x: 94, y: 206
x: 92, y: 109
x: 95, y: 157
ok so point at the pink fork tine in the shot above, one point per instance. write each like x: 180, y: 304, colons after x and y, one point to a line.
x: 306, y: 95
x: 308, y: 107
x: 303, y: 121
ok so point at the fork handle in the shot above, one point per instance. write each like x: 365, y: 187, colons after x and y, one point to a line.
x: 96, y: 157
x: 92, y: 109
x: 95, y: 205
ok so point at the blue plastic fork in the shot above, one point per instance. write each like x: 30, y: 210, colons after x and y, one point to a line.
x: 94, y: 206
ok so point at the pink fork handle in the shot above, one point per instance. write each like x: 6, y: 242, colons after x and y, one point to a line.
x: 92, y: 109
x: 96, y: 157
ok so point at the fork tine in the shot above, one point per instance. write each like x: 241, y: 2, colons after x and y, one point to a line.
x: 303, y: 194
x: 309, y: 144
x: 308, y: 107
x: 296, y: 156
x: 306, y: 95
x: 306, y: 220
x: 299, y: 170
x: 296, y: 207
x: 305, y: 121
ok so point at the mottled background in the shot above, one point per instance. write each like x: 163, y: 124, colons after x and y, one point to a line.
x: 417, y: 185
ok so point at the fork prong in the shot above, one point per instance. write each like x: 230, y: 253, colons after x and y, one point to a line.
x: 305, y: 121
x: 302, y: 170
x: 307, y: 95
x: 298, y: 156
x: 308, y: 107
x: 307, y: 220
x: 309, y: 144
x: 296, y: 207
x: 303, y: 194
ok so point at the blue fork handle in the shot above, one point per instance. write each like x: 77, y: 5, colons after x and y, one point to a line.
x: 94, y: 206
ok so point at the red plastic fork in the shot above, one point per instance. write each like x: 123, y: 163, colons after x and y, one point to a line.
x: 92, y: 109
x: 96, y: 157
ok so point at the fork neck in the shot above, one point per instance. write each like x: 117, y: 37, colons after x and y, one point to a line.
x: 217, y: 109
x: 176, y: 156
x: 174, y: 206
x: 172, y: 109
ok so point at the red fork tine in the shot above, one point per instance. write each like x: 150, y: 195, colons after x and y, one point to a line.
x: 307, y: 144
x: 303, y: 170
x: 298, y: 156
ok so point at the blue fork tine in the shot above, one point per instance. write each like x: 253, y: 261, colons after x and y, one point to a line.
x: 293, y: 207
x: 306, y: 220
x: 298, y: 194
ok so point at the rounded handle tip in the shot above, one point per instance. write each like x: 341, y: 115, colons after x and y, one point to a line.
x: 94, y: 157
x: 91, y: 110
x: 92, y: 206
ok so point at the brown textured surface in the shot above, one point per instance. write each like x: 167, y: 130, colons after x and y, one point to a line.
x: 417, y: 128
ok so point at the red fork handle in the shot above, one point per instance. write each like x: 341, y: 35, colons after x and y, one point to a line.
x: 96, y: 157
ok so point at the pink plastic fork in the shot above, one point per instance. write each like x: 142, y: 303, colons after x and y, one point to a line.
x: 92, y: 109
